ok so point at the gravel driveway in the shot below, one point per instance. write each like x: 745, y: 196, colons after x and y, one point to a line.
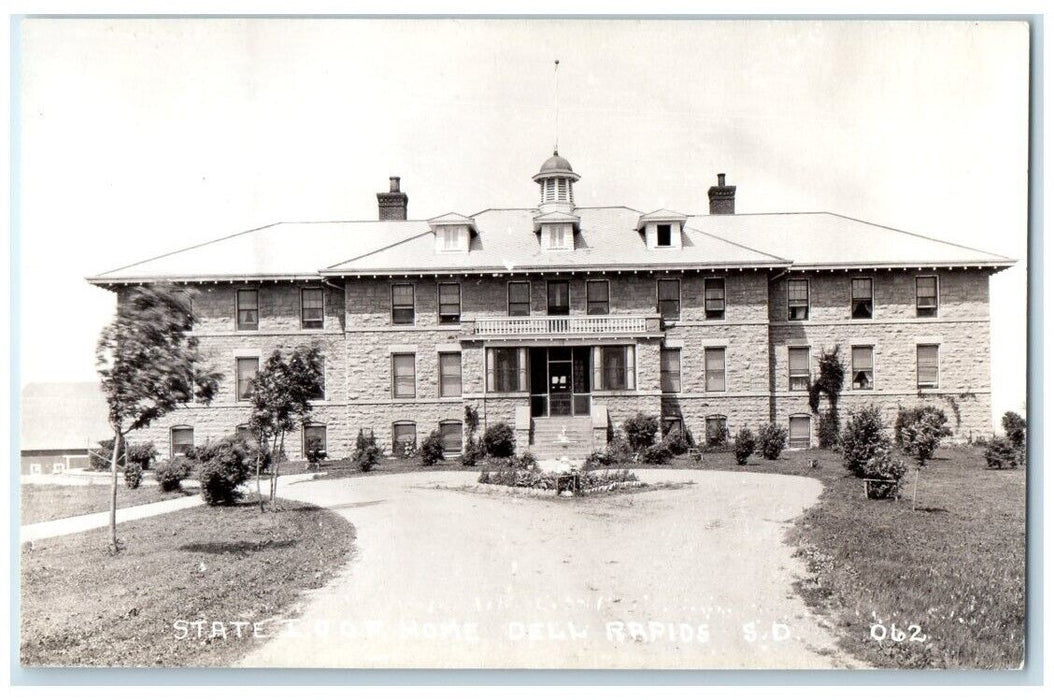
x: 695, y: 577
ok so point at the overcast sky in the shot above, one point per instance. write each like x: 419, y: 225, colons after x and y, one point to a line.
x: 142, y: 136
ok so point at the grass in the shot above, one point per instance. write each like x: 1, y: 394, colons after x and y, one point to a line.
x: 83, y: 607
x: 388, y: 465
x: 955, y: 566
x: 41, y: 502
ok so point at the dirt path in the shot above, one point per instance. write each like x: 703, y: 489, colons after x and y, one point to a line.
x: 697, y: 577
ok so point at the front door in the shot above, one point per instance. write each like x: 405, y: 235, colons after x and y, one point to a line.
x: 560, y: 382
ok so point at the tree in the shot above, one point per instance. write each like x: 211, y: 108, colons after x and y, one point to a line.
x: 829, y: 383
x: 150, y: 365
x: 919, y: 432
x: 1014, y: 428
x: 281, y: 394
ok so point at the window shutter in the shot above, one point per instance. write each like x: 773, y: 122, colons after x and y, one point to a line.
x: 490, y: 369
x: 631, y: 369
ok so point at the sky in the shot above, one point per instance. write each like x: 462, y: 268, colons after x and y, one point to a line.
x: 138, y: 137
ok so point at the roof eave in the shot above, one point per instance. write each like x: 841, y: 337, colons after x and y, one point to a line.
x: 918, y: 265
x: 539, y: 269
x: 196, y: 279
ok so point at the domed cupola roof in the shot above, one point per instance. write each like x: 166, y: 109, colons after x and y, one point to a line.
x: 556, y: 166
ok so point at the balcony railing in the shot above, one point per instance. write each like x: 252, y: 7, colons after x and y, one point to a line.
x: 577, y: 326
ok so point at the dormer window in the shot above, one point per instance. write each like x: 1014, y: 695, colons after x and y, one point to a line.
x: 663, y: 236
x: 453, y: 233
x: 662, y: 228
x: 559, y: 237
x: 448, y: 238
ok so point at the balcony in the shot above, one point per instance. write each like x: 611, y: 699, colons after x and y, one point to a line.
x: 611, y: 326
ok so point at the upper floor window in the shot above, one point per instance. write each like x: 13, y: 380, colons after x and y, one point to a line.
x: 247, y: 367
x: 311, y: 312
x: 248, y: 310
x: 928, y: 361
x: 450, y: 374
x: 519, y: 298
x: 863, y: 367
x: 670, y: 369
x: 669, y: 295
x: 715, y: 369
x: 404, y: 375
x: 926, y: 296
x: 798, y: 300
x: 863, y: 298
x: 449, y: 302
x: 616, y: 367
x: 798, y: 363
x: 714, y: 298
x: 663, y: 235
x: 182, y: 439
x: 403, y: 303
x: 559, y: 302
x: 597, y: 298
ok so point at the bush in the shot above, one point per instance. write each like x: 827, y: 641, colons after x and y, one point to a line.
x: 1014, y: 428
x: 718, y: 440
x: 881, y: 465
x: 616, y: 451
x: 640, y: 431
x: 527, y: 460
x: 367, y: 453
x: 745, y: 445
x: 772, y: 439
x: 919, y: 431
x: 473, y: 452
x: 223, y: 466
x: 1001, y: 453
x: 432, y: 449
x: 862, y: 438
x: 314, y: 452
x: 827, y: 429
x: 678, y: 441
x: 99, y: 460
x: 659, y: 453
x: 169, y: 474
x: 133, y: 474
x: 141, y: 453
x: 499, y: 440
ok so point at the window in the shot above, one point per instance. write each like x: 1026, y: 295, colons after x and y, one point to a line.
x: 311, y: 313
x: 664, y: 238
x: 519, y: 298
x: 714, y: 298
x: 559, y: 302
x: 182, y: 440
x: 798, y: 363
x: 673, y: 425
x: 319, y: 393
x: 449, y: 302
x: 402, y: 303
x: 798, y: 300
x: 670, y: 369
x: 248, y: 310
x: 314, y: 438
x: 863, y: 367
x: 242, y: 432
x: 863, y: 303
x: 450, y: 435
x: 449, y: 238
x: 404, y: 376
x: 669, y: 293
x: 597, y: 298
x: 616, y: 367
x: 450, y: 374
x: 404, y: 435
x: 800, y: 432
x: 505, y: 370
x: 928, y: 358
x: 247, y: 367
x: 559, y: 236
x: 926, y: 296
x: 715, y: 369
x: 716, y: 430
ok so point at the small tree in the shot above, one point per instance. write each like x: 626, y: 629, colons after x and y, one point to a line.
x: 640, y: 432
x: 828, y: 383
x: 744, y: 445
x: 772, y: 439
x: 367, y: 452
x: 432, y: 448
x: 919, y: 432
x: 1014, y: 428
x: 150, y: 365
x: 863, y: 437
x: 281, y: 394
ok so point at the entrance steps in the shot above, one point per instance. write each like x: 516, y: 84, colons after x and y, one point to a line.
x: 545, y: 431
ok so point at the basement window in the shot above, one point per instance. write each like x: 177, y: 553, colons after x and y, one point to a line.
x: 800, y: 432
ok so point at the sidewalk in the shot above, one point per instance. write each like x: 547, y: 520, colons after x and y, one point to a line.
x: 92, y: 521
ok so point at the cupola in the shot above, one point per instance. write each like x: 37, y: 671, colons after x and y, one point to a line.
x: 556, y: 185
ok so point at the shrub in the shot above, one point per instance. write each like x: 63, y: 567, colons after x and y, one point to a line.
x: 499, y: 440
x: 919, y: 431
x: 527, y: 460
x: 367, y: 453
x: 863, y: 436
x: 772, y: 439
x: 659, y: 453
x: 717, y: 441
x: 141, y: 453
x: 432, y: 448
x: 1002, y: 454
x: 314, y: 452
x: 1014, y: 428
x: 99, y: 460
x: 640, y: 431
x: 616, y: 451
x: 745, y: 445
x: 677, y: 439
x: 223, y: 466
x: 607, y: 477
x: 133, y: 474
x: 473, y: 452
x: 882, y: 465
x: 169, y: 474
x: 827, y: 429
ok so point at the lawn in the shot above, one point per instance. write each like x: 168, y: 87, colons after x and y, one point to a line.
x: 83, y: 607
x: 955, y: 567
x: 42, y: 502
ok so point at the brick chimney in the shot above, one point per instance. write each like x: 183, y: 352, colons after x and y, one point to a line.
x: 722, y: 197
x: 391, y: 205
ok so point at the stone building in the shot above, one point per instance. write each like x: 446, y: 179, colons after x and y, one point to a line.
x: 558, y: 317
